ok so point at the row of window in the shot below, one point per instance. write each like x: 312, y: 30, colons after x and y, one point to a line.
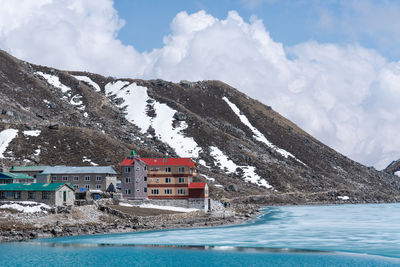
x: 128, y: 180
x: 168, y: 191
x: 128, y: 191
x: 87, y: 186
x: 17, y: 195
x: 75, y: 178
x: 168, y: 180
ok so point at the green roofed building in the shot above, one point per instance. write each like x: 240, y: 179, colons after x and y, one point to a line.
x: 29, y: 170
x: 15, y: 178
x: 53, y: 194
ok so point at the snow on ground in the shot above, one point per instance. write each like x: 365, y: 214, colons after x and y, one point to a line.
x: 343, y: 197
x: 256, y: 133
x: 123, y: 204
x: 114, y: 87
x: 55, y: 81
x: 212, y: 180
x: 249, y: 175
x: 86, y: 159
x: 26, y: 206
x: 152, y: 206
x: 179, y: 209
x: 135, y: 98
x: 76, y: 100
x: 6, y: 136
x: 37, y: 151
x: 204, y: 163
x: 88, y: 81
x: 34, y: 133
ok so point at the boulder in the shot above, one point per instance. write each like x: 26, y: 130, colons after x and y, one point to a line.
x: 179, y: 116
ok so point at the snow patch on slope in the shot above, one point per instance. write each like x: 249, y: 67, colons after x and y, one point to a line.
x: 75, y: 100
x: 6, y: 136
x: 249, y: 175
x: 86, y: 159
x: 55, y: 81
x: 88, y: 81
x: 256, y: 133
x: 137, y: 104
x: 33, y: 133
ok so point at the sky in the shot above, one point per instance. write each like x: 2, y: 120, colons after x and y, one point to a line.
x: 332, y: 67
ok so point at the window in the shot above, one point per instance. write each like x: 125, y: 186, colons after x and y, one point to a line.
x: 137, y: 168
x: 138, y: 190
x: 127, y: 191
x: 3, y: 195
x: 54, y: 178
x: 98, y: 178
x: 98, y: 186
x: 137, y: 180
x: 168, y: 169
x: 155, y: 191
x: 87, y: 178
x: 181, y: 169
x: 65, y: 178
x: 145, y: 167
x: 127, y: 180
x: 45, y: 195
x: 145, y: 189
x: 145, y: 178
x: 76, y: 178
x: 181, y: 180
x: 181, y: 191
x: 151, y: 179
x: 167, y: 180
x: 127, y: 169
x: 76, y: 186
x: 31, y: 195
x: 157, y: 180
x: 168, y: 191
x: 17, y: 195
x: 87, y: 186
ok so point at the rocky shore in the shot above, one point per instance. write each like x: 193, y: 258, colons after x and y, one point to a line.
x: 101, y: 219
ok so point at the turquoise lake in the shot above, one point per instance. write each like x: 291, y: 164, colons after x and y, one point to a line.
x: 335, y: 235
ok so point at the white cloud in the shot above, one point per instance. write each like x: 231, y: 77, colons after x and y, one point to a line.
x: 346, y: 96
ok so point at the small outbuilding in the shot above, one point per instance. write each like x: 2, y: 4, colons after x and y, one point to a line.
x: 52, y: 194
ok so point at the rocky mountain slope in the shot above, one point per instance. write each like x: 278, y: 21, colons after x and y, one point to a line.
x: 242, y: 147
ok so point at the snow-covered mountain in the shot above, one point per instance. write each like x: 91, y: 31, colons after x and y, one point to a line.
x: 243, y: 147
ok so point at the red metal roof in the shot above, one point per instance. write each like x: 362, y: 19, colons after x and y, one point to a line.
x: 168, y: 161
x: 127, y: 162
x: 197, y: 185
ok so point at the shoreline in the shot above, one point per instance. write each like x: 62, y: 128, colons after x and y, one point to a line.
x: 131, y: 224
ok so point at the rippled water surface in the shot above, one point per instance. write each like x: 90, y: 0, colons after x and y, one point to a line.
x: 337, y: 235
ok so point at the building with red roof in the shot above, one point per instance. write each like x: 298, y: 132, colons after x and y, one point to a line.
x: 160, y: 178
